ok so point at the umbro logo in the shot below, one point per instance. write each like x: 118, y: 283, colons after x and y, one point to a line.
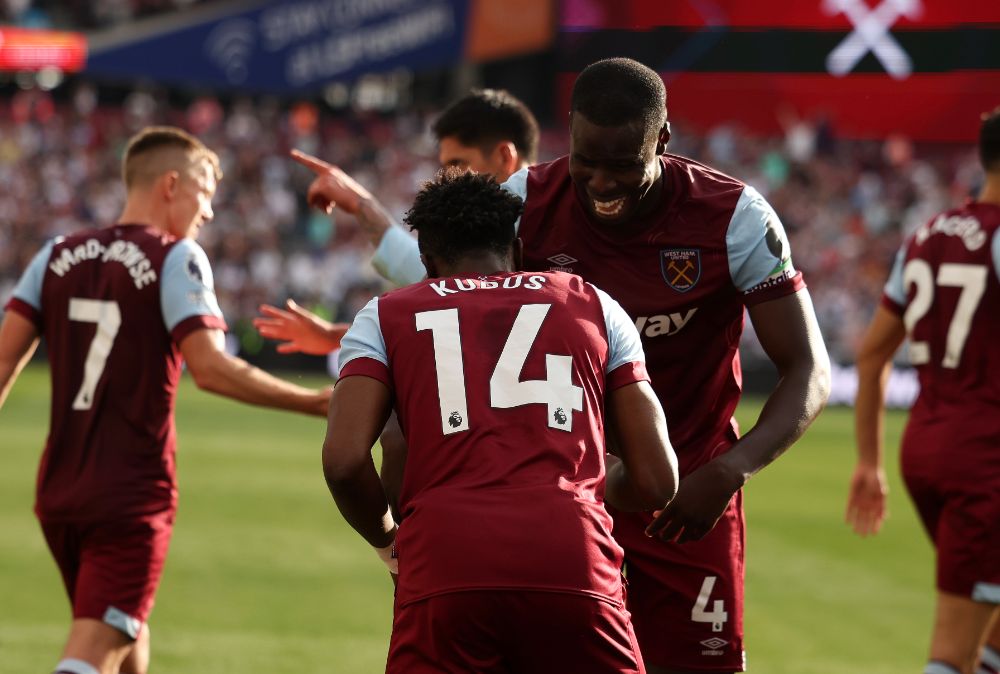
x: 715, y: 643
x: 562, y: 259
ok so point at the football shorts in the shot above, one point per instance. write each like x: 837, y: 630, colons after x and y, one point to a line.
x: 686, y: 599
x: 954, y: 483
x: 111, y: 569
x: 512, y: 632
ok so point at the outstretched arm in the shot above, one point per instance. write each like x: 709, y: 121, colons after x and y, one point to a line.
x: 333, y: 188
x: 300, y: 330
x: 866, y: 499
x: 790, y: 335
x: 397, y: 257
x: 216, y: 371
x: 18, y: 341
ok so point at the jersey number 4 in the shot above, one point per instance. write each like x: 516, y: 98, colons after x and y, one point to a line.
x: 556, y: 391
x: 108, y: 318
x: 971, y: 278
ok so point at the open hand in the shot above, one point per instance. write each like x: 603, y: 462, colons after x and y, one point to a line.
x: 301, y: 330
x: 866, y: 500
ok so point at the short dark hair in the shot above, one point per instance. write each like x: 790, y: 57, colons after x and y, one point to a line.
x: 989, y: 140
x: 461, y: 212
x: 620, y: 91
x: 485, y: 117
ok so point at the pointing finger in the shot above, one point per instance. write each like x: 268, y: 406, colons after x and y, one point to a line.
x: 314, y: 164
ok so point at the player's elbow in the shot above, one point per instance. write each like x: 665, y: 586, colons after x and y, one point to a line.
x: 206, y: 375
x: 339, y: 463
x: 655, y: 483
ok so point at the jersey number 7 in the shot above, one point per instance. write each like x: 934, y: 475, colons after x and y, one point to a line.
x: 108, y: 317
x: 556, y: 391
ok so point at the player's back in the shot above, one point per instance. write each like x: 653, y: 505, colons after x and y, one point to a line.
x: 949, y: 275
x: 114, y: 373
x: 499, y: 385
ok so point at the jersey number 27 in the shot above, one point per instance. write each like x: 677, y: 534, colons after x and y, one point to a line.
x: 971, y: 278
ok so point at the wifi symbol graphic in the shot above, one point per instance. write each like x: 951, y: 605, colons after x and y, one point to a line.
x: 230, y: 45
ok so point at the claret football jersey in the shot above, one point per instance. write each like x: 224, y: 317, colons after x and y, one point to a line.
x: 113, y: 304
x: 944, y: 284
x: 499, y: 385
x: 684, y: 275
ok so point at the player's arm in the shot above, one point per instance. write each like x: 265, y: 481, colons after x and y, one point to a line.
x: 396, y: 255
x: 18, y: 341
x: 644, y: 474
x: 19, y: 333
x: 789, y: 333
x: 868, y: 490
x: 216, y: 371
x: 299, y: 330
x: 192, y: 315
x: 358, y: 411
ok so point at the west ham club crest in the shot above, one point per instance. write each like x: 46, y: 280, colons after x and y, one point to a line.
x: 681, y: 267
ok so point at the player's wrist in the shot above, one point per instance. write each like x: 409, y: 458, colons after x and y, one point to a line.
x: 387, y: 553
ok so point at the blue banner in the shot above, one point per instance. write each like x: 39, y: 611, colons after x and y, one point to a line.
x: 288, y: 46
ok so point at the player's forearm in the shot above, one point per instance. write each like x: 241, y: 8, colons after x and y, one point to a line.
x: 869, y: 411
x: 18, y: 341
x: 234, y: 378
x: 795, y: 402
x: 358, y: 494
x: 375, y: 221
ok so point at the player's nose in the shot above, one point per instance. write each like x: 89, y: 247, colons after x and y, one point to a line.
x: 601, y: 182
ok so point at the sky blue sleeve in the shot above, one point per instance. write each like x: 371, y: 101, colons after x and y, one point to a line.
x: 29, y: 287
x: 895, y: 289
x: 397, y: 258
x: 756, y: 243
x: 624, y: 345
x: 364, y: 338
x: 517, y: 184
x: 187, y: 287
x: 995, y: 249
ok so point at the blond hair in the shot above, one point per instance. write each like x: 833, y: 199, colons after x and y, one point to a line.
x: 158, y: 149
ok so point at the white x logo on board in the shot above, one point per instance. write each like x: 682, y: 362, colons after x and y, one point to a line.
x: 871, y: 33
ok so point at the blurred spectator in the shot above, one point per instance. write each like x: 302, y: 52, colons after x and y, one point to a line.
x: 845, y: 204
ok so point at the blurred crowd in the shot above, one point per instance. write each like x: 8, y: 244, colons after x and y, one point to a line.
x: 846, y: 204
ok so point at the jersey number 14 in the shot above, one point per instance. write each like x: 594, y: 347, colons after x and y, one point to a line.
x: 556, y: 391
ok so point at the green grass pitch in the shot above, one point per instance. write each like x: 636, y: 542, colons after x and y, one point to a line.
x: 264, y: 576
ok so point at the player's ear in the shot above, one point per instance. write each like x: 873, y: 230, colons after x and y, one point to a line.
x: 663, y: 138
x: 517, y: 253
x: 169, y: 182
x: 506, y: 154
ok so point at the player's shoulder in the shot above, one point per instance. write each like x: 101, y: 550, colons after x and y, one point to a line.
x: 700, y: 181
x: 557, y: 168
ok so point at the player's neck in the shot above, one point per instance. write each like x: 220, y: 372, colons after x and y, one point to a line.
x: 484, y: 264
x: 990, y: 193
x: 137, y: 212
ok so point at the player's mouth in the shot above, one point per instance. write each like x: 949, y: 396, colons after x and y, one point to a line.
x: 608, y: 209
